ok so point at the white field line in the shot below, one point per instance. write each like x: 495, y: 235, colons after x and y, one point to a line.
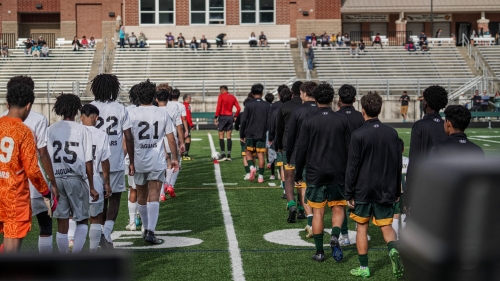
x: 234, y: 249
x: 479, y: 139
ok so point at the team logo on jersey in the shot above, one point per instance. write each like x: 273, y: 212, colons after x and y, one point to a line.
x: 462, y: 141
x: 325, y: 113
x: 376, y: 126
x: 348, y: 112
x: 437, y: 120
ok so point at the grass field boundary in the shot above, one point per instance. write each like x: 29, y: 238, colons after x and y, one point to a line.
x: 234, y: 250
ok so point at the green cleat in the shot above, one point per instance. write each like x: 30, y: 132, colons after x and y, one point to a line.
x: 360, y: 272
x: 397, y: 264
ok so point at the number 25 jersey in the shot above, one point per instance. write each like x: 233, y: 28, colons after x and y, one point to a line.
x: 70, y: 147
x: 149, y: 125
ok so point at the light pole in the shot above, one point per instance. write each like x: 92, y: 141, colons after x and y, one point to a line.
x: 432, y: 17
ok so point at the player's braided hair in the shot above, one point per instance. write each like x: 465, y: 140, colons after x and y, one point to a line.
x: 347, y: 93
x: 146, y: 92
x: 67, y: 105
x: 308, y: 87
x: 323, y: 93
x: 21, y: 79
x: 105, y: 87
x: 20, y: 95
x: 372, y: 104
x: 436, y: 97
x: 132, y: 96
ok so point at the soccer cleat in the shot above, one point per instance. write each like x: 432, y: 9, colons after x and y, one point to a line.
x: 253, y: 171
x: 162, y: 198
x: 186, y: 158
x: 336, y: 250
x: 222, y: 157
x: 319, y: 256
x: 309, y: 231
x: 247, y: 177
x: 344, y: 240
x: 229, y: 159
x: 283, y: 196
x: 131, y: 226
x: 361, y: 272
x: 71, y: 243
x: 272, y: 177
x: 397, y: 264
x: 138, y: 221
x: 301, y: 215
x: 151, y: 238
x: 261, y: 179
x: 170, y: 191
x: 103, y: 243
x: 269, y: 165
x: 292, y: 214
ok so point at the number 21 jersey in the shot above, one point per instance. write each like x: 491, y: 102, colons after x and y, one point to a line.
x: 150, y: 125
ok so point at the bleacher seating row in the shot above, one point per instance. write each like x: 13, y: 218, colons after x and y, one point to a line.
x: 228, y: 43
x: 491, y: 55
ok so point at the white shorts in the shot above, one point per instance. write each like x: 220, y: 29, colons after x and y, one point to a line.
x: 38, y: 206
x: 131, y: 182
x: 73, y: 199
x: 143, y: 178
x: 116, y: 181
x: 96, y: 208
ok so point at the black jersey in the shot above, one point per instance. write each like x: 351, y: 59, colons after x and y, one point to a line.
x: 282, y: 121
x: 457, y: 144
x: 275, y: 107
x: 299, y: 114
x: 323, y: 149
x: 354, y: 117
x: 374, y: 166
x: 256, y: 120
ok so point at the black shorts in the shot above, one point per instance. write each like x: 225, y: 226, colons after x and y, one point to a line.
x: 189, y: 130
x: 225, y: 123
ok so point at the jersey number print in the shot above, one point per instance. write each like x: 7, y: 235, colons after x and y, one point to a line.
x: 142, y: 133
x: 67, y: 145
x: 110, y: 130
x: 7, y: 147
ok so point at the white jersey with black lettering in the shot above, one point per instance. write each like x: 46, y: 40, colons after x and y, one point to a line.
x: 149, y: 125
x: 113, y: 120
x: 70, y: 147
x: 100, y: 152
x: 38, y: 124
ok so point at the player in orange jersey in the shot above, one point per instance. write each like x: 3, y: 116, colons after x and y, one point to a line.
x: 18, y: 162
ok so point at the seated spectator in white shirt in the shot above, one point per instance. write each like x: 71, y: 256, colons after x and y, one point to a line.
x: 132, y: 41
x: 45, y: 51
x: 92, y: 42
x: 252, y: 40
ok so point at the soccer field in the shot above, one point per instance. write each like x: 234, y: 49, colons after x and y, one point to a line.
x: 252, y: 240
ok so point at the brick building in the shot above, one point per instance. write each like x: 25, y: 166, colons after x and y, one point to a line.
x: 238, y: 18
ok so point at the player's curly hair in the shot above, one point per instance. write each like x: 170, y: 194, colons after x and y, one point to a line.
x: 67, y: 105
x: 162, y: 95
x: 308, y: 87
x: 175, y: 95
x: 20, y: 95
x: 323, y: 93
x: 285, y: 95
x: 133, y: 97
x: 164, y: 86
x: 146, y: 92
x: 269, y: 97
x: 281, y: 87
x: 296, y: 88
x: 459, y: 116
x: 436, y: 97
x: 89, y: 109
x: 21, y: 79
x: 105, y: 87
x: 257, y: 89
x: 372, y: 104
x: 347, y: 94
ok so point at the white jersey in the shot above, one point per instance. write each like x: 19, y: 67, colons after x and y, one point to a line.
x: 406, y: 160
x: 38, y: 124
x: 100, y: 152
x: 70, y: 147
x: 175, y: 116
x: 181, y: 107
x: 113, y: 120
x: 150, y: 125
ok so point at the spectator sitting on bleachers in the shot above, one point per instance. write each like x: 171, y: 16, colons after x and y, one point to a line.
x: 252, y: 40
x: 354, y: 49
x: 169, y: 40
x: 220, y: 39
x: 204, y: 43
x: 325, y: 40
x: 340, y: 42
x: 142, y: 40
x: 84, y: 42
x: 347, y: 40
x: 181, y: 42
x: 45, y: 51
x: 76, y: 44
x: 485, y: 99
x: 361, y: 45
x: 132, y: 41
x: 28, y: 44
x: 410, y: 46
x: 423, y: 46
x: 193, y: 45
x: 377, y: 40
x: 92, y: 43
x: 333, y: 40
x: 35, y: 50
x: 262, y: 39
x: 41, y: 41
x: 476, y: 101
x: 423, y: 37
x: 314, y: 39
x: 5, y: 50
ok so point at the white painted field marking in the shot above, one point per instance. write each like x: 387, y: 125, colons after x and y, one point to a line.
x: 123, y: 240
x: 272, y: 184
x: 213, y: 183
x: 234, y: 249
x: 195, y: 139
x: 291, y: 237
x: 486, y: 137
x: 486, y: 144
x: 478, y: 139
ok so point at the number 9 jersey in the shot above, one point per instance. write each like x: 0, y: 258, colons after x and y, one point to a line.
x: 70, y: 147
x: 149, y: 125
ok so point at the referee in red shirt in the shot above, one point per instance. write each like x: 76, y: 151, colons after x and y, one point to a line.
x: 224, y: 120
x: 189, y: 120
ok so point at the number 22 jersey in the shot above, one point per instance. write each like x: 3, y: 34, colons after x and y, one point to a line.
x: 150, y: 125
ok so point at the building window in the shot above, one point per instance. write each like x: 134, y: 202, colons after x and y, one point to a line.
x: 207, y: 12
x: 157, y: 11
x: 257, y: 11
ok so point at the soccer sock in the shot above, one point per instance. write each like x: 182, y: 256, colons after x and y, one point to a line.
x: 229, y: 146
x: 283, y: 184
x: 222, y: 146
x: 188, y: 145
x: 395, y: 226
x: 261, y: 171
x: 80, y: 238
x: 71, y: 229
x: 62, y: 243
x: 94, y: 236
x: 403, y: 223
x: 143, y: 211
x: 310, y: 220
x: 363, y: 260
x: 318, y: 241
x: 273, y: 170
x: 291, y: 203
x: 174, y: 178
x: 301, y: 208
x: 168, y: 178
x: 247, y: 169
x: 153, y: 211
x: 132, y: 210
x: 250, y: 163
x: 344, y: 230
x: 45, y: 245
x: 336, y: 231
x: 108, y: 228
x: 392, y: 245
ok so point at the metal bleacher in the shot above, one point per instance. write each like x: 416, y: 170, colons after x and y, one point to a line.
x: 200, y: 73
x: 491, y: 55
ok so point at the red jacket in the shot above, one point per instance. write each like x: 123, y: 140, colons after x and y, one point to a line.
x: 225, y: 105
x: 189, y: 119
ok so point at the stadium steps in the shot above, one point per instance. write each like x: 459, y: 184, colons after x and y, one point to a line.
x: 491, y: 55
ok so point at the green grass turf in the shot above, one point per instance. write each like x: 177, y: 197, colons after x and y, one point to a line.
x: 256, y: 209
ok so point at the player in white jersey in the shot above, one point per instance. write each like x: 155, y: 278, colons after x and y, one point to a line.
x: 162, y: 97
x: 399, y: 218
x: 39, y: 124
x: 70, y: 145
x: 113, y: 120
x: 132, y: 195
x: 150, y: 125
x: 175, y: 100
x: 100, y: 155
